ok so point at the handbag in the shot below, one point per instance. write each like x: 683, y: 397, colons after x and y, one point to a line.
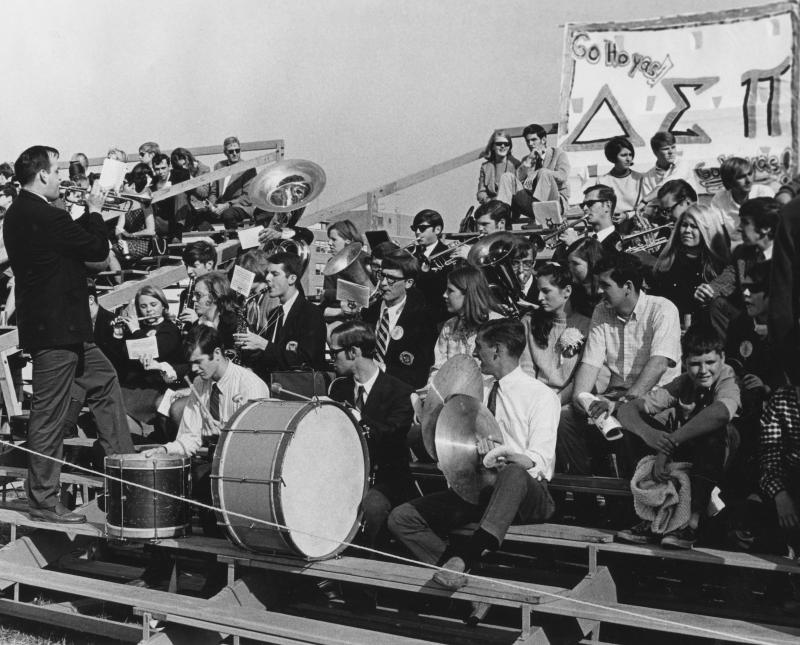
x: 133, y: 248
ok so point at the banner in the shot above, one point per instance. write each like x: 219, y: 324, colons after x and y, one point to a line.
x: 725, y: 84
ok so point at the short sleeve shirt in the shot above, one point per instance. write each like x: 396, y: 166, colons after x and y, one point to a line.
x: 687, y: 399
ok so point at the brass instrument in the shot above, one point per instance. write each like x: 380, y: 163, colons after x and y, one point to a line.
x: 241, y: 326
x: 282, y: 188
x: 121, y: 203
x: 645, y: 246
x: 492, y: 254
x: 440, y: 260
x: 188, y: 303
x: 345, y: 266
x: 550, y: 239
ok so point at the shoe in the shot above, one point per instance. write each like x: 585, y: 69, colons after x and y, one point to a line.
x: 453, y: 578
x: 58, y: 514
x: 478, y: 613
x: 642, y: 533
x: 684, y: 538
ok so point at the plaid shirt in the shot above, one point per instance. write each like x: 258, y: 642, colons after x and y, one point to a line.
x: 779, y: 449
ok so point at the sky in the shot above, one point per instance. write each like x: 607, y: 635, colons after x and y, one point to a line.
x: 370, y: 90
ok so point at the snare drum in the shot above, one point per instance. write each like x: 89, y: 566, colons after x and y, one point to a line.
x: 139, y: 514
x: 297, y: 464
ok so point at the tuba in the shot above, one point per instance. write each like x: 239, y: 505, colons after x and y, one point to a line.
x: 345, y: 265
x: 284, y: 188
x: 493, y: 254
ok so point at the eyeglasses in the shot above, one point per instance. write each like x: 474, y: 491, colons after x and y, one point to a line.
x: 335, y: 351
x: 390, y: 279
x: 502, y: 144
x: 591, y: 202
x: 525, y: 264
x: 418, y: 228
x: 197, y: 297
x: 231, y: 151
x: 666, y: 211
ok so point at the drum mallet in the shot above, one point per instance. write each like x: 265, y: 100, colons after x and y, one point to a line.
x: 278, y: 389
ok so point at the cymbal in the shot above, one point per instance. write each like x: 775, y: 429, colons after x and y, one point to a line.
x: 464, y: 420
x: 459, y: 375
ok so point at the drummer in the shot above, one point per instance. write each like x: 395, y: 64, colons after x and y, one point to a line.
x: 223, y: 387
x: 383, y: 405
x: 523, y: 456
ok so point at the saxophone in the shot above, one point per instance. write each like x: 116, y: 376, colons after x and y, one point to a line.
x: 241, y: 326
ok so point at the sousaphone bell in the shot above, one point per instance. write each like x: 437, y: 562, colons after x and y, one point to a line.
x: 493, y: 254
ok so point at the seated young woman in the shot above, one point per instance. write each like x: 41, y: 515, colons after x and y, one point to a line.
x: 555, y: 334
x: 145, y: 380
x: 340, y: 235
x: 582, y: 256
x: 626, y: 182
x: 689, y: 266
x: 499, y: 160
x: 215, y: 306
x: 136, y: 228
x: 471, y: 303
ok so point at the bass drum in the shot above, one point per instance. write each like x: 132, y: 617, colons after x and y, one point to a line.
x: 302, y: 465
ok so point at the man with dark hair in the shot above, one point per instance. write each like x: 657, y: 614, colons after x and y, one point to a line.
x: 635, y: 336
x: 405, y: 331
x: 674, y: 197
x: 200, y: 258
x: 492, y: 216
x: 229, y: 194
x: 522, y: 458
x: 383, y: 407
x: 523, y: 262
x: 47, y: 251
x: 165, y: 214
x: 294, y: 337
x: 432, y: 277
x: 703, y: 401
x: 541, y: 177
x: 599, y: 202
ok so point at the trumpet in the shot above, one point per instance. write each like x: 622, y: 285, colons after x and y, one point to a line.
x: 550, y: 239
x: 112, y: 201
x: 649, y: 244
x: 442, y: 259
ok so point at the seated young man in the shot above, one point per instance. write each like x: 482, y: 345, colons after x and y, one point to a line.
x: 383, y: 405
x: 702, y: 402
x: 527, y: 413
x: 199, y: 258
x: 635, y: 336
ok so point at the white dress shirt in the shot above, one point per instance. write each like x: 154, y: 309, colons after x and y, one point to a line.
x: 527, y: 412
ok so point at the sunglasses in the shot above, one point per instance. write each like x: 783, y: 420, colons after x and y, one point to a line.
x: 390, y: 279
x: 418, y: 228
x: 591, y: 202
x: 335, y: 351
x: 232, y: 151
x: 502, y: 144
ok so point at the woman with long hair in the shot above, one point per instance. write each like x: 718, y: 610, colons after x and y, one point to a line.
x: 694, y: 257
x: 215, y: 305
x: 137, y: 228
x: 499, y: 160
x: 582, y: 256
x: 144, y: 380
x: 193, y: 206
x: 470, y: 301
x: 555, y: 332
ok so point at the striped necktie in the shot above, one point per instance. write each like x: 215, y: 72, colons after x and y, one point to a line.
x: 382, y: 336
x: 274, y: 323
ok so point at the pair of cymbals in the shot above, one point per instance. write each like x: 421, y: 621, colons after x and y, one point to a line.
x: 459, y: 375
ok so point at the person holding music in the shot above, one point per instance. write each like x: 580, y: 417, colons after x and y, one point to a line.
x: 432, y: 277
x: 499, y: 161
x: 471, y: 303
x: 47, y: 250
x: 219, y: 389
x: 294, y: 337
x: 382, y: 405
x: 340, y: 235
x: 555, y: 334
x: 522, y: 459
x: 404, y: 328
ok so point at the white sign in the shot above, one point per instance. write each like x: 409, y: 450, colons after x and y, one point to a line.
x: 725, y: 84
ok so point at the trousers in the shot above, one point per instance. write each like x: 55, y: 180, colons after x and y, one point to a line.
x: 55, y: 370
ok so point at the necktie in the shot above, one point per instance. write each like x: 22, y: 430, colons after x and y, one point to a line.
x: 360, y: 399
x: 382, y: 337
x: 492, y: 402
x: 213, y: 401
x: 274, y: 323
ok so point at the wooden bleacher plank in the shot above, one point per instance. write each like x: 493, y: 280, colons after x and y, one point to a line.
x: 19, y: 517
x: 196, y: 612
x: 683, y: 623
x: 558, y: 532
x: 122, y: 294
x: 66, y: 477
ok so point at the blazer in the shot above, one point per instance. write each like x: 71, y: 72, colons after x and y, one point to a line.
x: 300, y: 343
x: 47, y: 249
x: 556, y: 160
x: 236, y: 190
x: 387, y: 417
x: 409, y: 357
x: 433, y: 283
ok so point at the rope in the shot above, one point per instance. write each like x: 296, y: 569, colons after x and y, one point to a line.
x: 417, y: 563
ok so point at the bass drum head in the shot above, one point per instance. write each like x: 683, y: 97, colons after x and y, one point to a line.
x: 324, y: 471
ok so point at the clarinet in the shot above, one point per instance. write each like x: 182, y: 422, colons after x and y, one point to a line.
x: 188, y: 303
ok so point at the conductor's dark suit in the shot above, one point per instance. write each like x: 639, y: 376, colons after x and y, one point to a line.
x: 47, y: 251
x: 409, y: 355
x: 386, y: 416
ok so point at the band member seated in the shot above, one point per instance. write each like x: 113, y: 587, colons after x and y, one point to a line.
x: 383, y: 408
x: 582, y: 257
x: 47, y: 251
x: 527, y: 413
x: 214, y: 306
x: 492, y: 216
x: 229, y: 198
x: 432, y: 277
x: 223, y: 387
x: 523, y: 263
x: 674, y: 197
x: 737, y: 178
x: 702, y: 401
x: 144, y: 380
x: 199, y: 258
x: 689, y: 270
x: 294, y: 337
x: 257, y: 304
x: 637, y: 337
x: 598, y: 205
x: 470, y: 302
x: 404, y: 329
x: 541, y: 177
x: 499, y: 161
x: 340, y: 235
x: 555, y: 334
